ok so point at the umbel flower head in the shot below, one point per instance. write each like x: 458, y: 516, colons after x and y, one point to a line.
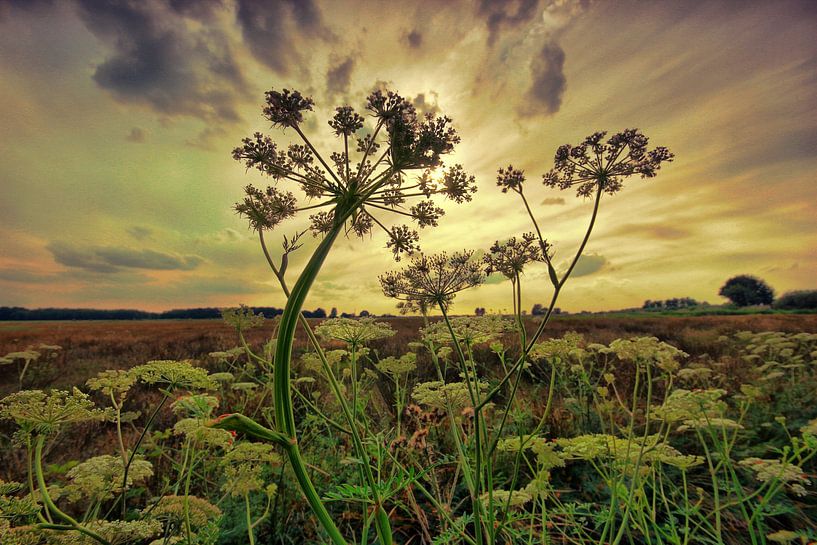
x: 599, y: 165
x: 352, y: 190
x: 511, y: 256
x: 354, y: 332
x: 45, y: 412
x: 433, y: 280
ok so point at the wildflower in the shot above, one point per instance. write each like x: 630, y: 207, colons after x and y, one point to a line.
x: 354, y: 190
x: 567, y: 348
x: 648, y: 351
x: 46, y: 412
x: 810, y: 428
x: 432, y: 280
x: 594, y: 165
x: 201, y: 435
x: 285, y: 108
x: 469, y: 330
x: 346, y: 121
x: 354, y: 332
x: 112, y: 382
x: 244, y: 467
x: 173, y: 374
x: 546, y: 455
x: 510, y: 179
x: 397, y: 366
x: 695, y: 409
x: 438, y: 395
x: 511, y: 256
x: 222, y: 376
x: 501, y: 498
x: 100, y: 478
x: 171, y: 509
x: 776, y: 470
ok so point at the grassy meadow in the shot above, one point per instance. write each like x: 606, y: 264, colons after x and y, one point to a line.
x: 563, y: 488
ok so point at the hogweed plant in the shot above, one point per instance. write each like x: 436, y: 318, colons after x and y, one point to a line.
x: 478, y: 430
x: 347, y: 195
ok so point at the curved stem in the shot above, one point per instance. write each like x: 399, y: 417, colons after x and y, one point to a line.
x: 49, y: 504
x: 558, y: 288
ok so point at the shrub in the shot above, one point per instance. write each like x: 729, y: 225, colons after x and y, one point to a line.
x: 801, y: 299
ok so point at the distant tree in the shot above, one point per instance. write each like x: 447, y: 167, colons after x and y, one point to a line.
x: 745, y: 290
x: 538, y: 310
x: 803, y: 299
x: 364, y: 314
x: 479, y: 311
x: 318, y: 313
x: 333, y: 313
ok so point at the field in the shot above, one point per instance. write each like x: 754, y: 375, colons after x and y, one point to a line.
x: 92, y: 346
x: 565, y: 488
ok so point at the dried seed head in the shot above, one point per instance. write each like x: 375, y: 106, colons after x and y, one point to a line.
x: 594, y: 165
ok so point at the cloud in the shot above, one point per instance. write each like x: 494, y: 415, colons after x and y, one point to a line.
x: 270, y: 29
x: 548, y: 80
x: 136, y: 135
x: 201, y: 10
x: 501, y: 15
x: 339, y: 77
x: 588, y: 264
x: 111, y: 259
x: 651, y: 230
x: 424, y: 105
x: 139, y: 232
x: 205, y: 139
x: 414, y: 38
x: 550, y: 201
x: 158, y: 62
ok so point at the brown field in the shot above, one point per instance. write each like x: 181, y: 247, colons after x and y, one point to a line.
x: 92, y: 346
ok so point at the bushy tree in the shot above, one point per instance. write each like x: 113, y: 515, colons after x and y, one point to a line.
x: 745, y: 290
x: 803, y: 299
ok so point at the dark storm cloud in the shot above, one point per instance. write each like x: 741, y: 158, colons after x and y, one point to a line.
x: 201, y: 10
x: 270, y: 28
x: 111, y: 259
x: 157, y: 62
x: 547, y: 79
x: 414, y: 38
x: 339, y: 77
x: 509, y: 14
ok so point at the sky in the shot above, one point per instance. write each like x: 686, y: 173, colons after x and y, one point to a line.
x: 119, y: 118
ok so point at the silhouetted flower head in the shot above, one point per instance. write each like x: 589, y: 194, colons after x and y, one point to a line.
x: 458, y: 186
x: 510, y: 178
x: 285, y: 108
x: 346, y: 121
x: 266, y: 209
x: 434, y: 280
x: 403, y: 239
x: 598, y: 165
x: 354, y: 190
x: 511, y: 256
